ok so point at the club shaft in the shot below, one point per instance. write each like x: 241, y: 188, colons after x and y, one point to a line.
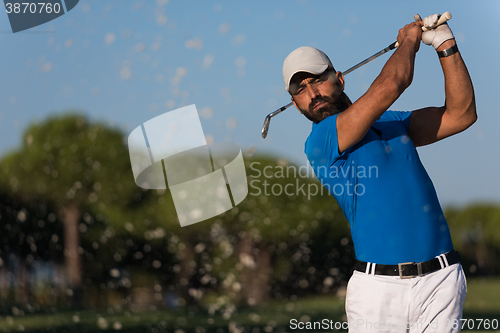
x: 281, y: 109
x: 367, y: 60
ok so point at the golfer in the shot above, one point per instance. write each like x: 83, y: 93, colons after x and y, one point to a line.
x: 407, y: 276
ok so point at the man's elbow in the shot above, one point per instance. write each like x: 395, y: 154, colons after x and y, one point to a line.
x: 471, y: 113
x: 473, y: 117
x: 468, y: 117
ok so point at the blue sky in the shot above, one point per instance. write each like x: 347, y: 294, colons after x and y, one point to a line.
x: 125, y: 62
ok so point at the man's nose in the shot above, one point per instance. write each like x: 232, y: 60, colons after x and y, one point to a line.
x: 312, y: 91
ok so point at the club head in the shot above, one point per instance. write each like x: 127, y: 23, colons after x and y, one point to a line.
x: 265, y: 128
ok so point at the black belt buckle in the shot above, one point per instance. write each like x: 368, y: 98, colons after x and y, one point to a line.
x: 400, y: 269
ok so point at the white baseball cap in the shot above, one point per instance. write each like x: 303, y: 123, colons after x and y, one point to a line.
x: 304, y: 59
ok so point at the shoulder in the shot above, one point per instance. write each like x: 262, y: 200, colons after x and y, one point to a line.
x: 326, y: 129
x: 396, y: 118
x: 395, y: 115
x: 329, y: 124
x: 321, y: 146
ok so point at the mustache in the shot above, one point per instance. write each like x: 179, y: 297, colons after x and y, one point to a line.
x: 334, y: 105
x: 320, y: 99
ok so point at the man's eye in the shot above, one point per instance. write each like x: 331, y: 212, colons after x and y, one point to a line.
x: 319, y: 80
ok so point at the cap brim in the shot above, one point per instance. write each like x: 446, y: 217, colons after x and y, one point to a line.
x: 312, y: 69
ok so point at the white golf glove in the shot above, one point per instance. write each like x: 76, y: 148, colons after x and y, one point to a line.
x: 436, y: 35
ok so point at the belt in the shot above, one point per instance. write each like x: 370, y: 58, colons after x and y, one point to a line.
x: 408, y: 270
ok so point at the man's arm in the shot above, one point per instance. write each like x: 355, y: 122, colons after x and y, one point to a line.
x: 432, y: 124
x: 395, y: 77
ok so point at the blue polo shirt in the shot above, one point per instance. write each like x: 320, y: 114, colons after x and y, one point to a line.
x: 383, y: 190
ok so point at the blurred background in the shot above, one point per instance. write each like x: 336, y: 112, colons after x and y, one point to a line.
x: 83, y: 249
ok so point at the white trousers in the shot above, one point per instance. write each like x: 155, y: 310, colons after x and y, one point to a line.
x: 428, y: 303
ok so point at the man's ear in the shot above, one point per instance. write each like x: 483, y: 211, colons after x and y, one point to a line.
x: 340, y: 79
x: 295, y: 104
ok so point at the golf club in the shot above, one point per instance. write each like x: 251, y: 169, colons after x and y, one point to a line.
x: 442, y: 19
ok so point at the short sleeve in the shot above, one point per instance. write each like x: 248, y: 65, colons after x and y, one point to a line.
x: 403, y: 116
x: 322, y: 146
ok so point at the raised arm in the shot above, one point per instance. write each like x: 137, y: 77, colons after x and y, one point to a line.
x: 395, y: 77
x: 432, y: 124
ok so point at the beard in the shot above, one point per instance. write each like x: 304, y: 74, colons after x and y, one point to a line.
x: 333, y: 106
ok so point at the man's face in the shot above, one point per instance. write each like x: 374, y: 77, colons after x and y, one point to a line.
x: 319, y: 96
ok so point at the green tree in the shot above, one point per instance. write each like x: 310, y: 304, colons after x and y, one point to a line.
x: 77, y: 165
x: 475, y: 230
